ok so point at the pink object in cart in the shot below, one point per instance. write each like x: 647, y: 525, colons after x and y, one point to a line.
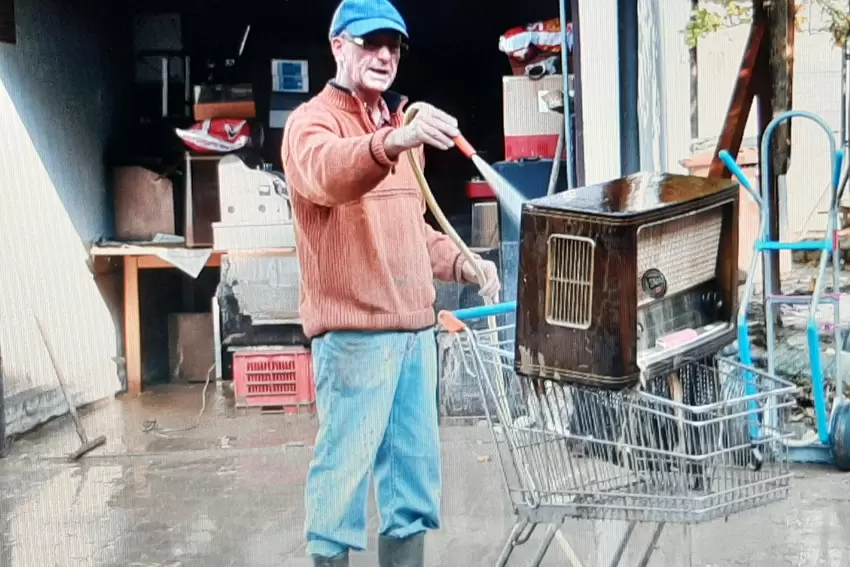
x: 677, y: 339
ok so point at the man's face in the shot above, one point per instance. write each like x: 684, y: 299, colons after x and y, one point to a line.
x: 369, y: 63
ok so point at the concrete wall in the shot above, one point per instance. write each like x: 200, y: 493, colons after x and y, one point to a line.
x: 664, y: 104
x: 58, y: 90
x: 663, y: 85
x: 817, y: 88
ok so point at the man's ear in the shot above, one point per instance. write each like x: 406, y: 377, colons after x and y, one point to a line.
x: 336, y: 48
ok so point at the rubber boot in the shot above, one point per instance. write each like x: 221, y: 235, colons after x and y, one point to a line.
x: 408, y: 552
x: 340, y: 560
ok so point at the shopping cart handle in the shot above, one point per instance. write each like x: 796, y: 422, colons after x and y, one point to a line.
x: 485, y: 311
x: 452, y: 321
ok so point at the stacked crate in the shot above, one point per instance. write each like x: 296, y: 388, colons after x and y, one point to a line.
x: 266, y: 350
x: 275, y: 379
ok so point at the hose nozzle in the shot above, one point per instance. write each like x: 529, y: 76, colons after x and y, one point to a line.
x: 464, y: 146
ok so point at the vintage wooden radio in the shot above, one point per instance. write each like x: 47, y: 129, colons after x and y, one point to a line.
x: 627, y: 278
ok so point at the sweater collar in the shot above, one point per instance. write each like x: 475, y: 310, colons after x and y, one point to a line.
x: 344, y: 99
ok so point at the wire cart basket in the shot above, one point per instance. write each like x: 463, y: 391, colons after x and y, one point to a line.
x: 634, y: 455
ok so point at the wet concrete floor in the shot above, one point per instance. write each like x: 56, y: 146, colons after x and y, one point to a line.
x: 230, y: 493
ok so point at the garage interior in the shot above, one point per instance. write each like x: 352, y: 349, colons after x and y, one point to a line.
x: 82, y: 83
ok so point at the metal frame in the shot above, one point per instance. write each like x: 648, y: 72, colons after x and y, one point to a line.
x: 628, y: 46
x: 578, y: 141
x: 569, y: 142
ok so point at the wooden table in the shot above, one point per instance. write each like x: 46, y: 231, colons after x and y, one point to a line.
x: 139, y: 258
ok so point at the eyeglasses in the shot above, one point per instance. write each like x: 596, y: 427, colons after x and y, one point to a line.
x: 396, y: 45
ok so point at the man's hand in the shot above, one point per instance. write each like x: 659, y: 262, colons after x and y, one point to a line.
x: 490, y: 287
x: 430, y: 126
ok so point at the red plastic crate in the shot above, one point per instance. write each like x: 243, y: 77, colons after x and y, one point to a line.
x: 479, y: 189
x: 275, y: 378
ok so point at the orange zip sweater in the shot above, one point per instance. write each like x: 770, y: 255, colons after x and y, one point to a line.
x: 366, y: 254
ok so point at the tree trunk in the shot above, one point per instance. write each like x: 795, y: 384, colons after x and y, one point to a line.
x: 775, y: 97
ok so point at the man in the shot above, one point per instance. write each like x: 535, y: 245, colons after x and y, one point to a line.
x: 368, y: 259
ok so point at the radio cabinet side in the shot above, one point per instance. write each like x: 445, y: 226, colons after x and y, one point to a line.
x: 577, y: 301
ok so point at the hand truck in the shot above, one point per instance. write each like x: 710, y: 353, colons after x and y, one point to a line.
x: 831, y: 444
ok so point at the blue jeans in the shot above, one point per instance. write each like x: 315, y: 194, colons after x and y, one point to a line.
x: 376, y: 399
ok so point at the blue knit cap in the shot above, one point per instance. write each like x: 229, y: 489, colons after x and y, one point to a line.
x: 362, y: 17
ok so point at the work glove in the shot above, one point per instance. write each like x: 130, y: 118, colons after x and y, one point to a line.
x: 491, y: 286
x: 430, y: 126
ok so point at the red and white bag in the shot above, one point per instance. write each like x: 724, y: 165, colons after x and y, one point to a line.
x: 218, y: 135
x: 524, y: 43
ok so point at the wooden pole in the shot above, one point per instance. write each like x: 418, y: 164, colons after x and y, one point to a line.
x: 742, y: 100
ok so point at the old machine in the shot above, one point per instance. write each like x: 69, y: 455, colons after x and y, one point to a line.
x: 627, y: 279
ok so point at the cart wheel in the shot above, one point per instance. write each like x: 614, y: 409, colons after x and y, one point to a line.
x: 840, y: 437
x: 756, y: 459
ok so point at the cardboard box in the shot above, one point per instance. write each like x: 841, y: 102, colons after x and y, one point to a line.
x: 210, y: 110
x: 485, y: 225
x: 531, y: 130
x: 191, y: 347
x: 144, y: 204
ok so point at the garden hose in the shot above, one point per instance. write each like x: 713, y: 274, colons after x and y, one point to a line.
x: 464, y: 146
x: 493, y: 360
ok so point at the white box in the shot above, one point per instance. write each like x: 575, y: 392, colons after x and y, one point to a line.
x: 268, y: 236
x: 251, y: 196
x: 278, y: 118
x: 531, y: 129
x: 521, y: 108
x: 485, y: 224
x: 266, y: 286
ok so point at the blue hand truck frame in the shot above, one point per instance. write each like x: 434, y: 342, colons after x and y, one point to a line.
x: 831, y: 445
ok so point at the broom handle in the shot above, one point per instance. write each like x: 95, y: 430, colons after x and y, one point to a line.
x: 76, y: 418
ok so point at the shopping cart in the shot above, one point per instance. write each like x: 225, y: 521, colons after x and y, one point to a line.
x: 637, y: 456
